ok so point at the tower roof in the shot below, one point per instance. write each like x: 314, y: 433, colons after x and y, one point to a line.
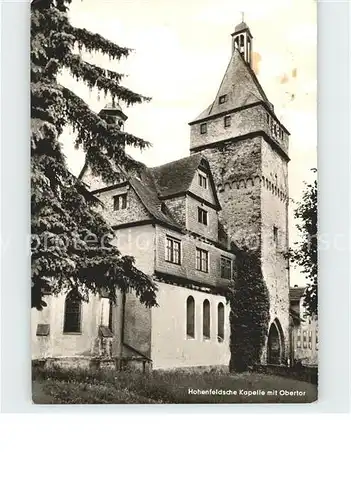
x: 113, y: 108
x: 240, y: 86
x: 241, y: 26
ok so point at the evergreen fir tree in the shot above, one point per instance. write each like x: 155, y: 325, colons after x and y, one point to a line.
x: 71, y: 242
x: 249, y: 313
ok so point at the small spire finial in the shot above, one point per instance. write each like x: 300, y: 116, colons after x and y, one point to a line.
x: 242, y: 16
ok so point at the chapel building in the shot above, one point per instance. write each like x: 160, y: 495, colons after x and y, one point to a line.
x: 183, y: 222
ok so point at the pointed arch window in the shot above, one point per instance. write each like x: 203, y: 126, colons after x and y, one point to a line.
x: 190, y: 317
x: 206, y: 320
x: 220, y: 322
x: 73, y: 313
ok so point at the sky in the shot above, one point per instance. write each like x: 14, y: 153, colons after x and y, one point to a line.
x: 181, y: 50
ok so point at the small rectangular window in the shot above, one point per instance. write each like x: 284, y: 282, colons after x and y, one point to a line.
x: 203, y: 128
x: 298, y: 344
x: 275, y: 234
x: 172, y: 250
x: 310, y: 345
x: 120, y: 202
x: 226, y: 268
x: 227, y: 121
x: 202, y: 216
x: 223, y: 99
x: 203, y: 180
x: 201, y: 260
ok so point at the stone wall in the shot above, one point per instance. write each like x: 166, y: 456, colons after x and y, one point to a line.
x: 236, y: 171
x: 252, y: 181
x: 243, y: 121
x: 59, y: 343
x: 170, y: 346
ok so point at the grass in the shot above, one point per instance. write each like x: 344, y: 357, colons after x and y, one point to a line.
x: 68, y: 386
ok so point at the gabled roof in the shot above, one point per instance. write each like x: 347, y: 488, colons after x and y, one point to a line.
x: 145, y: 188
x: 241, y: 87
x: 176, y: 177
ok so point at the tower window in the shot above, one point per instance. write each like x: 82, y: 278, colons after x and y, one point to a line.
x: 203, y: 128
x: 120, y: 202
x: 275, y: 234
x: 202, y: 216
x: 223, y: 99
x: 227, y: 121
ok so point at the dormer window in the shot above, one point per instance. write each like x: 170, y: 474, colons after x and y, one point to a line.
x: 120, y: 202
x: 203, y: 128
x: 227, y: 121
x: 202, y: 180
x: 202, y: 216
x: 223, y: 98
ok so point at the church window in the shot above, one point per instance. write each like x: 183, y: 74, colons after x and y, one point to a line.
x: 203, y: 128
x: 203, y: 180
x: 190, y: 317
x: 226, y: 268
x: 172, y: 250
x: 202, y: 216
x: 202, y: 260
x: 110, y: 315
x: 298, y: 344
x: 206, y: 319
x: 72, y: 318
x: 223, y: 98
x: 275, y: 234
x: 220, y: 322
x: 227, y: 121
x: 310, y: 345
x: 120, y: 202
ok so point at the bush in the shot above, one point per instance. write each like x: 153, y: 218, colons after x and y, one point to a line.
x: 249, y: 314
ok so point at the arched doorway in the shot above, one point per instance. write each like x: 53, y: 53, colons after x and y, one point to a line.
x: 275, y: 344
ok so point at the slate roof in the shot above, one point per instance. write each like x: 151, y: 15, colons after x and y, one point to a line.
x: 145, y: 188
x: 241, y: 26
x: 176, y: 177
x: 153, y: 185
x: 240, y: 85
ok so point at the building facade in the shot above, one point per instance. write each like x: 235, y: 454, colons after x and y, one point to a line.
x: 304, y: 330
x: 179, y: 221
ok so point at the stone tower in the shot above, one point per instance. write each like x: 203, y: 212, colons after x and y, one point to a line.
x: 247, y: 147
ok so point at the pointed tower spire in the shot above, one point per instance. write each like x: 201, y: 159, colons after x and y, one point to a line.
x: 242, y: 40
